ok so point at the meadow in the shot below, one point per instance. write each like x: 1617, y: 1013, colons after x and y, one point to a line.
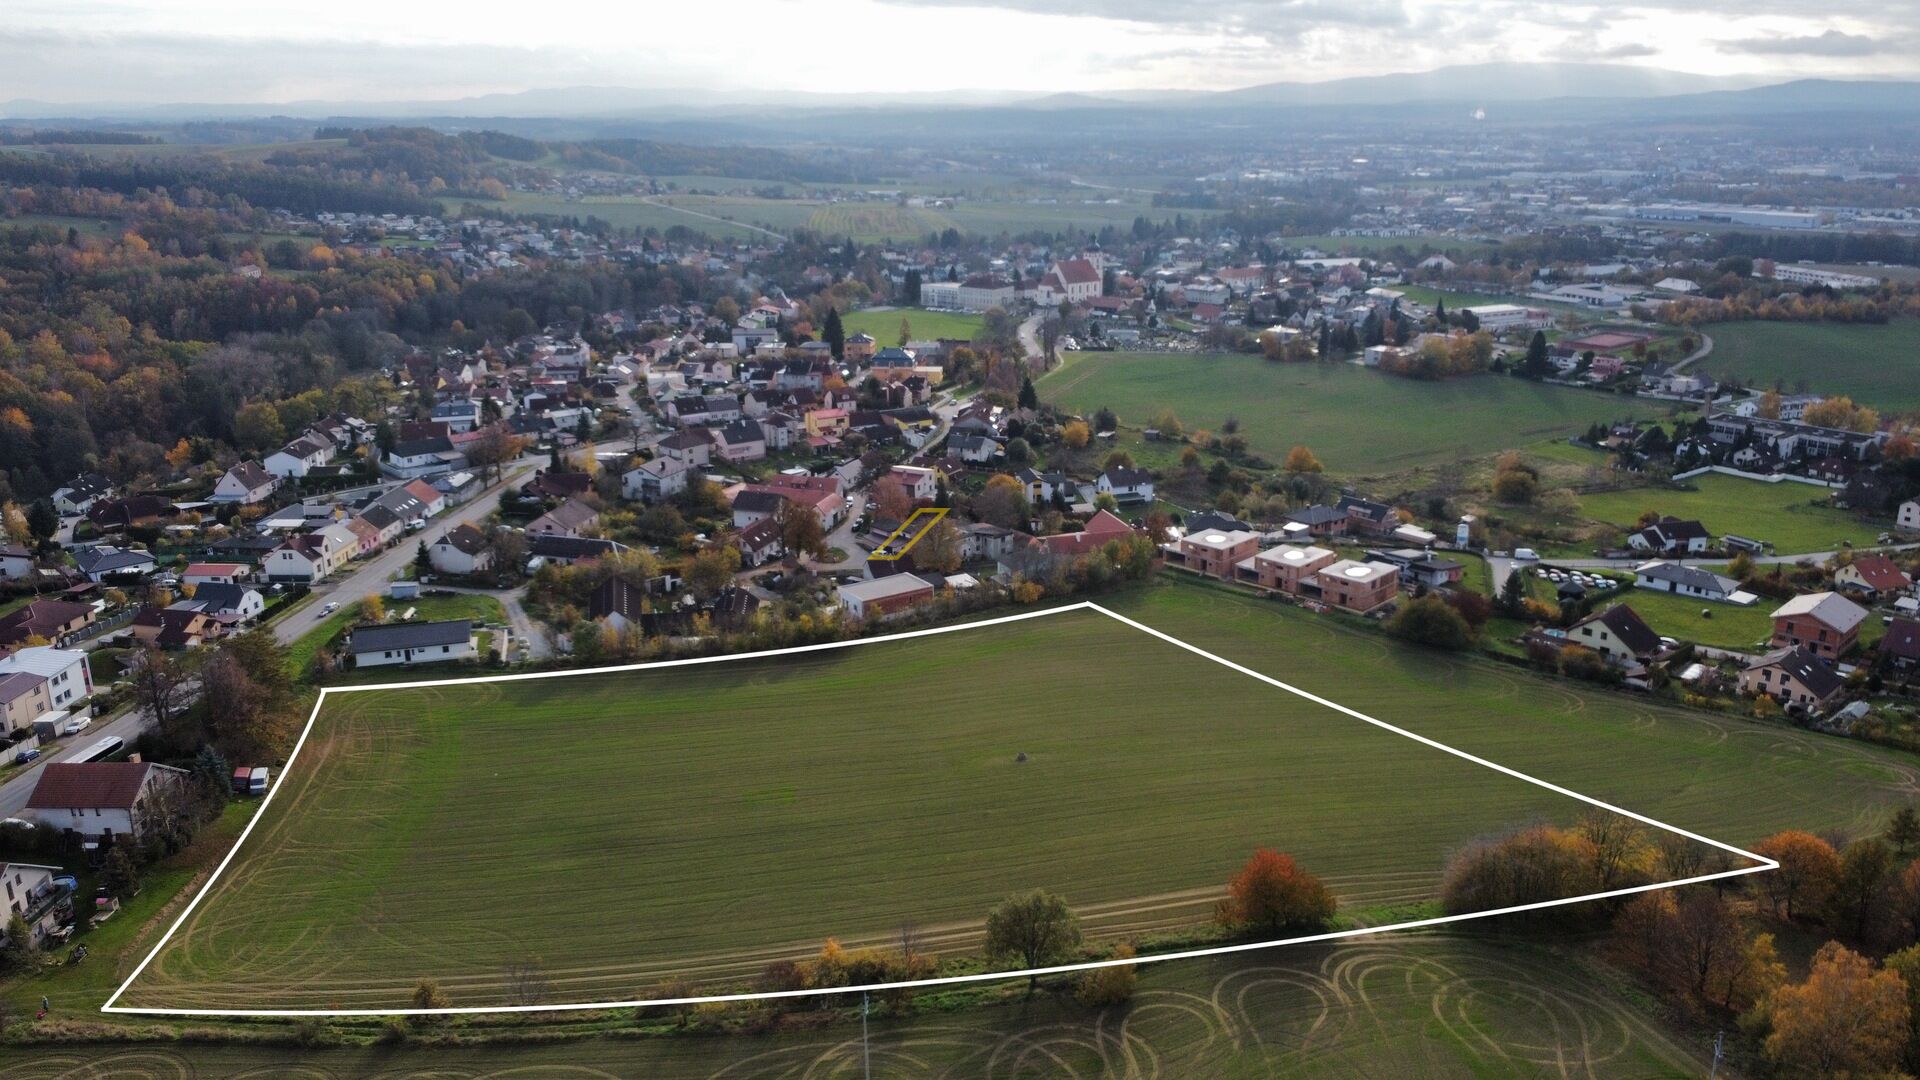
x: 699, y: 822
x: 1433, y: 1006
x: 1877, y: 365
x: 1358, y: 421
x: 884, y: 324
x: 1795, y: 518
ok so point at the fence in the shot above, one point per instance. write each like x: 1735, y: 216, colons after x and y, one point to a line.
x: 1765, y: 478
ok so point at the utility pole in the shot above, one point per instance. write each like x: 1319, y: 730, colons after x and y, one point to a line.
x: 866, y: 1052
x: 1719, y: 1053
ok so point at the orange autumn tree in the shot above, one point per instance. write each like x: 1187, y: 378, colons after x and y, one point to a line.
x: 1272, y: 891
x: 1809, y: 870
x: 1847, y: 1019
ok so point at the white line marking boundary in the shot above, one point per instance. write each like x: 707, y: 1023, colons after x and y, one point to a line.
x: 1761, y: 863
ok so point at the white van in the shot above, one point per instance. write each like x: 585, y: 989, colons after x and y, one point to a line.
x: 1526, y: 554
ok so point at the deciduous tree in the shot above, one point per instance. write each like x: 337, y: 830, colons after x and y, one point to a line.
x: 1035, y: 930
x: 1273, y: 892
x: 1846, y: 1020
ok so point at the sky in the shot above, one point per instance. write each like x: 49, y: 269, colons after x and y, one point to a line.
x: 247, y: 51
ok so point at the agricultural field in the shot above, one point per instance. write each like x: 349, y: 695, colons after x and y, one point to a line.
x: 1795, y: 518
x: 1874, y: 365
x: 701, y: 821
x: 877, y: 222
x: 1432, y: 1006
x: 1359, y: 422
x: 884, y: 324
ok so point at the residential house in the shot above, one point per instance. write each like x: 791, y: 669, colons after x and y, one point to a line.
x: 571, y: 518
x: 741, y: 440
x: 1217, y: 554
x: 981, y: 541
x: 921, y: 484
x: 310, y: 557
x: 1671, y: 536
x: 1289, y: 568
x: 1659, y: 575
x: 754, y: 503
x: 1901, y: 644
x: 300, y: 457
x: 652, y: 481
x: 1358, y: 586
x: 23, y: 699
x: 1126, y: 485
x: 1420, y: 567
x: 1909, y: 519
x: 979, y: 449
x: 104, y: 800
x: 690, y: 448
x: 1794, y: 677
x: 549, y: 484
x: 39, y: 896
x: 1875, y: 577
x: 1367, y: 517
x: 69, y: 678
x: 117, y: 515
x: 210, y: 573
x: 1320, y: 520
x: 1042, y: 487
x: 78, y: 495
x: 460, y: 550
x: 430, y: 456
x: 16, y: 562
x: 55, y: 621
x: 1824, y: 623
x: 174, y: 627
x: 1619, y: 634
x: 760, y: 542
x: 229, y: 601
x: 244, y: 484
x: 106, y: 562
x: 884, y: 597
x: 411, y: 643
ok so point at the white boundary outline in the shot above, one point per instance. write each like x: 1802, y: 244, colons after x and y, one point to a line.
x: 1761, y: 863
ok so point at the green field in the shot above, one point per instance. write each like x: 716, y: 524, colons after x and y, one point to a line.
x: 702, y: 821
x: 1358, y: 421
x: 1795, y: 518
x: 884, y: 325
x: 1874, y: 365
x: 1430, y: 1006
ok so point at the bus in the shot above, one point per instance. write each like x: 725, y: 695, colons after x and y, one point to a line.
x: 99, y: 751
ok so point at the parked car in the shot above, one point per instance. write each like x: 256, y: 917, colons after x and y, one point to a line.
x: 76, y: 725
x: 26, y: 755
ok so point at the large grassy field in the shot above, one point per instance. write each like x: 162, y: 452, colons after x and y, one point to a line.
x: 1795, y: 518
x: 1430, y: 1006
x: 1358, y: 421
x: 884, y: 325
x: 702, y: 821
x: 1874, y: 365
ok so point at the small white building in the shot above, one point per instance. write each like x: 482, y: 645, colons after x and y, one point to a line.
x: 244, y: 484
x: 412, y: 643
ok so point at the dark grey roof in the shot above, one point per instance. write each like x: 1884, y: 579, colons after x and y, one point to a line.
x: 220, y: 595
x: 1812, y: 672
x: 368, y: 639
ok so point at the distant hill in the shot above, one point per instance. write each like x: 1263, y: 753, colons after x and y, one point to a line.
x: 1494, y: 82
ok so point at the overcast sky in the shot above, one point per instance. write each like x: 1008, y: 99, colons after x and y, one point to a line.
x: 372, y: 50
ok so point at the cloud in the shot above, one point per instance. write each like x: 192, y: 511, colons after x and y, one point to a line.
x: 1271, y: 19
x: 1625, y: 52
x: 1831, y: 43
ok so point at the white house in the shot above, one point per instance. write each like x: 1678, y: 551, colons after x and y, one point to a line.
x: 15, y: 562
x: 461, y: 550
x: 654, y: 480
x: 69, y: 679
x: 78, y: 495
x: 243, y: 602
x: 1909, y: 518
x: 33, y: 894
x: 412, y: 643
x: 1125, y: 484
x: 246, y: 483
x: 981, y: 292
x: 1662, y: 576
x: 311, y: 557
x: 300, y: 457
x: 101, y: 798
x: 214, y: 573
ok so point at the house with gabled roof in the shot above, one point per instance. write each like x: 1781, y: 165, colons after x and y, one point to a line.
x: 1671, y: 536
x: 571, y: 518
x: 1794, y: 677
x: 1618, y: 633
x: 652, y: 481
x: 78, y: 495
x: 106, y: 561
x: 460, y: 550
x: 1875, y: 577
x: 411, y: 643
x: 244, y: 484
x: 760, y: 542
x: 1824, y: 623
x: 1125, y: 484
x: 300, y: 457
x: 103, y: 800
x: 1659, y: 575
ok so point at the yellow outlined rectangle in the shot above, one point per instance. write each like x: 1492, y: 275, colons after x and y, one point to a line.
x: 888, y: 551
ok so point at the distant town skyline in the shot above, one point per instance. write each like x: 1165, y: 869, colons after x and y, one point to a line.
x: 229, y: 52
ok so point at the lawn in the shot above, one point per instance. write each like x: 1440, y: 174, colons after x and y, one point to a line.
x: 1432, y: 1006
x: 1795, y: 518
x: 301, y: 653
x: 1874, y: 365
x: 925, y: 325
x: 1359, y: 422
x: 702, y: 821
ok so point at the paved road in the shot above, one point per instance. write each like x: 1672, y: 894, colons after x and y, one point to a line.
x: 371, y: 575
x: 1701, y: 353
